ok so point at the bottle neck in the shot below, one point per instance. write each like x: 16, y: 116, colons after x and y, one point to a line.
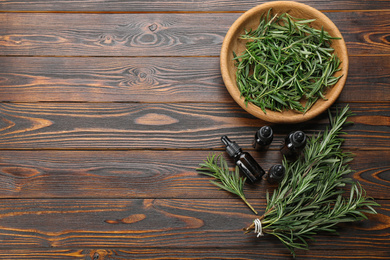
x: 232, y: 148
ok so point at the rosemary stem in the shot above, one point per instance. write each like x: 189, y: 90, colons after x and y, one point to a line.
x: 224, y: 179
x: 248, y: 204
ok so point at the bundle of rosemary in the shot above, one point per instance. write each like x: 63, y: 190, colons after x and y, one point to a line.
x: 286, y: 61
x: 309, y: 199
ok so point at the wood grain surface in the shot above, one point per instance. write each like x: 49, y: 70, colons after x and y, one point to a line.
x: 174, y: 5
x: 163, y: 125
x: 108, y: 107
x: 145, y: 223
x: 158, y: 34
x: 148, y: 174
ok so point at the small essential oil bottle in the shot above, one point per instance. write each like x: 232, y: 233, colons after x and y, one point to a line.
x: 293, y: 145
x: 263, y: 138
x: 275, y: 174
x: 245, y: 162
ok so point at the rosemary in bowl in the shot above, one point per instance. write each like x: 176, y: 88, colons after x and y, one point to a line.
x: 287, y: 64
x: 284, y: 62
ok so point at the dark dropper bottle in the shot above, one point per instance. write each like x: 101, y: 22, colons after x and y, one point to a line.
x: 243, y: 160
x: 263, y: 138
x: 275, y: 173
x: 293, y: 145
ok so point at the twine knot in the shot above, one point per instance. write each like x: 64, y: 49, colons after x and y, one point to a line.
x: 258, y: 227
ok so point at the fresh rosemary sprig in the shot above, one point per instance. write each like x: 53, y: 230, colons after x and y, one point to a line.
x: 285, y: 62
x: 226, y: 180
x: 309, y: 199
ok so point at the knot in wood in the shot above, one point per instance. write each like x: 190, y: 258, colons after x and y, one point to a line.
x: 98, y: 254
x: 153, y: 27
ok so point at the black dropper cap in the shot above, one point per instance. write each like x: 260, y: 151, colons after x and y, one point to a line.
x: 266, y: 133
x: 263, y: 138
x: 231, y: 147
x: 276, y: 173
x: 298, y: 139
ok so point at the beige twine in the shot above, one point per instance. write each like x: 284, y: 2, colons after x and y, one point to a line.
x: 258, y: 227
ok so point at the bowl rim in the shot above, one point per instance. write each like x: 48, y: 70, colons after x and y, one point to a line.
x: 285, y: 116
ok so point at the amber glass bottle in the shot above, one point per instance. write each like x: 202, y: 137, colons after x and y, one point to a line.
x: 245, y: 162
x: 263, y: 138
x: 293, y: 145
x: 275, y: 173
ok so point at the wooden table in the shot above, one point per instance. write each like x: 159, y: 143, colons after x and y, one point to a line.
x: 108, y: 107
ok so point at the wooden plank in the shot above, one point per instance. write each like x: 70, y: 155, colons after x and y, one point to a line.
x: 154, y: 79
x: 158, y: 34
x: 184, y: 253
x: 364, y: 32
x: 149, y: 174
x: 160, y: 223
x: 78, y: 34
x: 368, y: 78
x: 173, y: 5
x: 162, y: 126
x: 146, y: 79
